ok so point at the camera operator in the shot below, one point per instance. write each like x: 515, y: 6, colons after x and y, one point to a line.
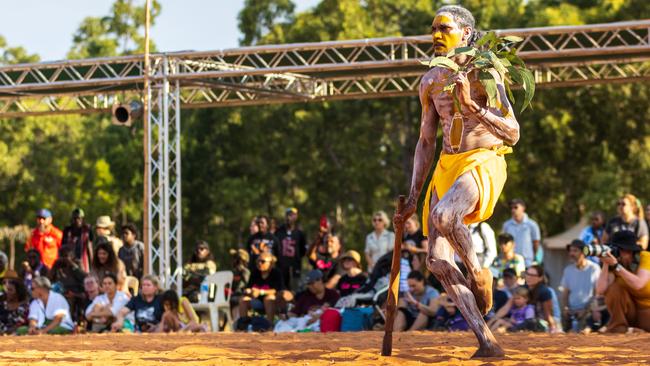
x: 625, y: 281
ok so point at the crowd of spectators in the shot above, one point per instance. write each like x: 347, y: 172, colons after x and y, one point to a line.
x: 81, y: 279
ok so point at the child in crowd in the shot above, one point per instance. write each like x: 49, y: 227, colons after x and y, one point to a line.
x: 448, y: 317
x: 519, y: 315
x: 178, y: 316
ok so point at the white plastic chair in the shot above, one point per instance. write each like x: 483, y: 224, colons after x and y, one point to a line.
x: 219, y: 280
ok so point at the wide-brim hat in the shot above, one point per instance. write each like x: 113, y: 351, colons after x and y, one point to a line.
x: 10, y: 274
x: 625, y: 240
x: 104, y: 222
x: 352, y: 254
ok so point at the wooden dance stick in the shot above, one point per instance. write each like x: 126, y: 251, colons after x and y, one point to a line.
x: 393, y: 289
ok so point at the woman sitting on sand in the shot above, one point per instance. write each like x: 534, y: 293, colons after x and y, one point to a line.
x: 104, y: 309
x: 147, y: 308
x: 179, y: 316
x: 15, y: 307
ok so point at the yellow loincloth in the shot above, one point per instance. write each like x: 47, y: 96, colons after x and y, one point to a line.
x: 487, y: 166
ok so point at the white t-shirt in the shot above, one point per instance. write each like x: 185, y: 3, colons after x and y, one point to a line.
x: 119, y: 301
x: 56, y: 305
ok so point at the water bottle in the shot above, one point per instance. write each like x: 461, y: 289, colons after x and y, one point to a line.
x: 204, y: 293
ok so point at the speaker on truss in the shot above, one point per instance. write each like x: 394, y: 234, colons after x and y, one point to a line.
x: 125, y: 113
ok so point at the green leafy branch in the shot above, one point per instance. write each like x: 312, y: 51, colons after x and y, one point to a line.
x: 491, y: 53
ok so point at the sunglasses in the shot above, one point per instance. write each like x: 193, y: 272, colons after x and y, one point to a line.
x: 620, y: 203
x: 377, y: 219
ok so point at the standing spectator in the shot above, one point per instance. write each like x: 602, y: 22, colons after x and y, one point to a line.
x: 264, y: 288
x: 33, y: 267
x: 593, y: 234
x: 46, y: 238
x: 4, y: 266
x: 49, y: 312
x: 78, y: 236
x: 353, y: 278
x: 630, y: 218
x: 484, y: 243
x: 103, y: 310
x: 105, y: 261
x: 507, y: 257
x: 627, y: 285
x: 380, y: 241
x: 15, y: 307
x: 201, y: 264
x: 262, y: 241
x: 324, y: 253
x: 417, y: 306
x: 524, y: 230
x: 67, y: 279
x: 413, y: 237
x: 146, y: 306
x: 241, y: 276
x: 178, y: 315
x: 292, y: 247
x: 104, y: 228
x: 132, y: 252
x: 578, y: 284
x: 316, y: 296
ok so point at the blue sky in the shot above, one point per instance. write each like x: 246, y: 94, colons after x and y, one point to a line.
x: 46, y: 27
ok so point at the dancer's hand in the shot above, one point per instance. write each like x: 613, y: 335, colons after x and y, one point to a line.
x: 400, y: 217
x: 463, y: 92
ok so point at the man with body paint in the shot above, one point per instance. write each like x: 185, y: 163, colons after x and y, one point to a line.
x: 469, y: 175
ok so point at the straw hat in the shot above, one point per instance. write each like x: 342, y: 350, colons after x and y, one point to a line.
x: 352, y: 254
x: 105, y: 222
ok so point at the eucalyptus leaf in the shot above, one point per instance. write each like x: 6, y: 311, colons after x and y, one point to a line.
x: 529, y: 88
x: 514, y: 39
x: 490, y: 84
x: 469, y: 51
x: 487, y: 38
x: 444, y: 62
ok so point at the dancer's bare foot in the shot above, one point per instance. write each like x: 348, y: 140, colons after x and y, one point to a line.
x: 482, y: 289
x: 489, y: 350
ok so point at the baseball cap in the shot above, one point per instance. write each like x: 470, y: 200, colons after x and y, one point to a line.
x: 314, y: 275
x: 44, y: 213
x: 77, y: 212
x: 291, y: 210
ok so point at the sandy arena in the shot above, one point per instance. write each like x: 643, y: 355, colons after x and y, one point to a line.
x: 418, y: 348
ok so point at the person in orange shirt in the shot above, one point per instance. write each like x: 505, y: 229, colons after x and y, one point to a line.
x: 46, y: 238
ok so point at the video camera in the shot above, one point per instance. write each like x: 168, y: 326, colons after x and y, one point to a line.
x: 598, y: 250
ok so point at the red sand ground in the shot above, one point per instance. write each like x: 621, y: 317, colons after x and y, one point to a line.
x: 418, y: 348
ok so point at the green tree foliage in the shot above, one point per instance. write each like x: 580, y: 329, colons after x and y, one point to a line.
x: 14, y: 55
x: 580, y: 147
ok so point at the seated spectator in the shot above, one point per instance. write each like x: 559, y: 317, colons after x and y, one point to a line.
x: 49, y: 312
x: 380, y: 241
x: 316, y: 296
x: 91, y: 291
x: 132, y: 251
x: 241, y: 276
x: 578, y: 284
x: 264, y: 288
x: 540, y: 296
x: 510, y: 281
x: 507, y: 257
x: 104, y: 227
x: 78, y: 237
x: 417, y: 306
x: 178, y: 316
x: 201, y: 264
x: 625, y: 282
x: 106, y: 261
x: 630, y: 218
x: 67, y: 279
x: 520, y: 316
x: 448, y: 317
x: 33, y: 267
x: 146, y: 306
x: 15, y: 306
x: 353, y: 277
x: 103, y: 310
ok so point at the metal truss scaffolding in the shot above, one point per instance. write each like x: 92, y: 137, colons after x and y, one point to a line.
x: 305, y: 72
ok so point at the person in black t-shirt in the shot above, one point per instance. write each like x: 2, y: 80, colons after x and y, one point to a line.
x: 353, y: 278
x: 262, y: 241
x: 413, y: 236
x: 630, y: 218
x: 264, y: 289
x: 324, y: 254
x: 292, y: 247
x: 147, y: 307
x: 316, y: 296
